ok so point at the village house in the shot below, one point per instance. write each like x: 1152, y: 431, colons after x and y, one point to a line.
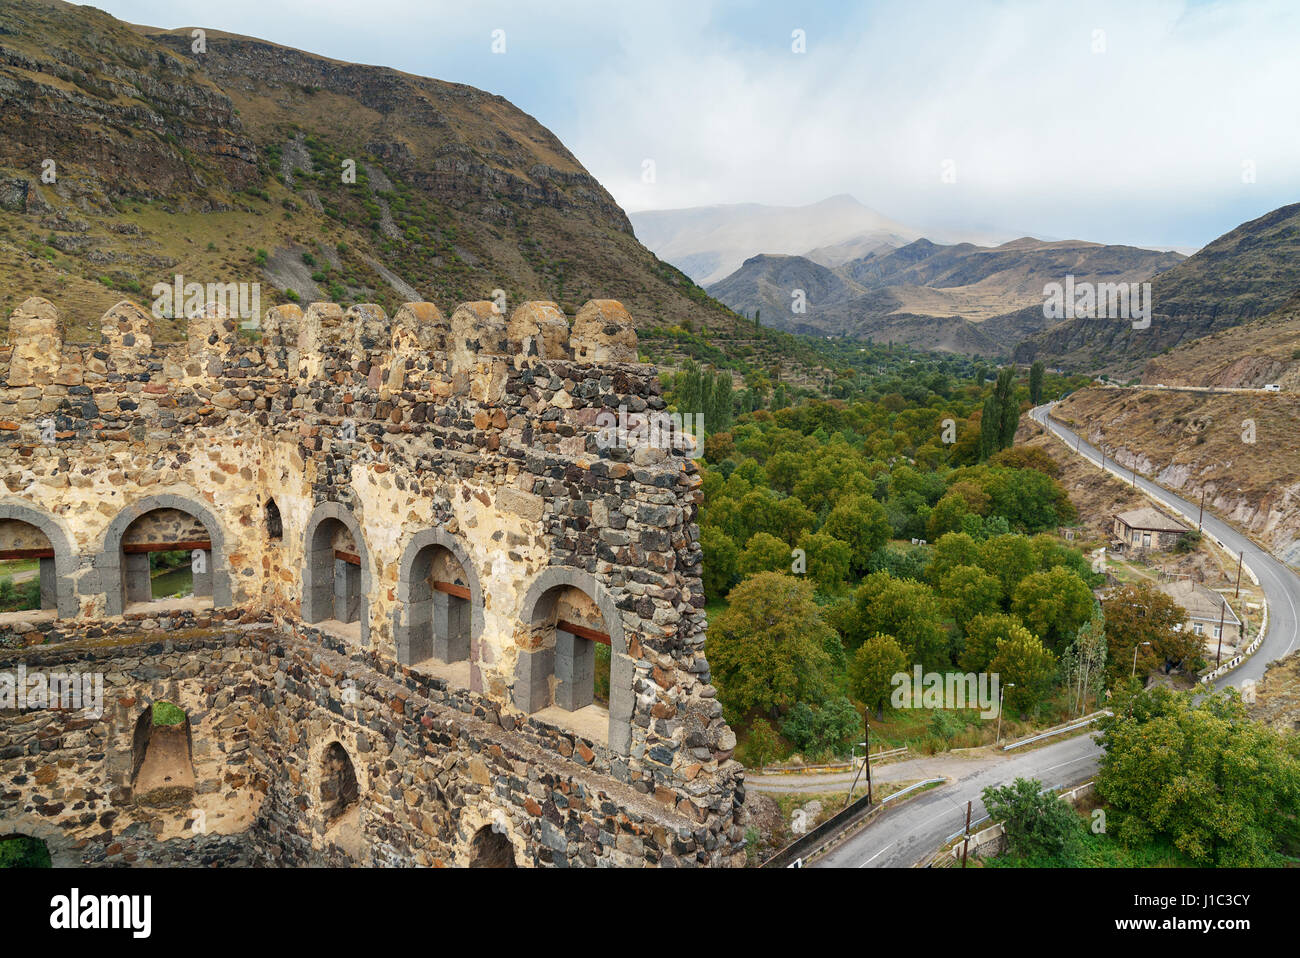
x: 1147, y: 530
x: 1205, y: 609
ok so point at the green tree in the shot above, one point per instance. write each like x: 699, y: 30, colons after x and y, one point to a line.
x: 1140, y: 616
x: 768, y: 649
x: 874, y: 665
x: 1053, y: 605
x: 1009, y: 558
x: 762, y: 745
x: 901, y: 608
x: 1225, y: 789
x: 983, y: 633
x: 763, y: 553
x: 952, y: 550
x: 1039, y: 825
x: 969, y: 591
x: 785, y: 469
x: 1001, y: 414
x: 1084, y: 663
x: 828, y: 559
x: 823, y: 730
x: 861, y: 522
x: 1036, y: 383
x: 1022, y: 661
x: 720, y: 558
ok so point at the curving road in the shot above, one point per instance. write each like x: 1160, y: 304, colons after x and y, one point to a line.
x: 904, y: 836
x: 1280, y: 584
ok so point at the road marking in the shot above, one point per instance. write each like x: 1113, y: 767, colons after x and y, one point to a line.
x: 877, y: 855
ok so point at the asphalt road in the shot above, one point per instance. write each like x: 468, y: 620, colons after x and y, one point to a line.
x: 906, y: 835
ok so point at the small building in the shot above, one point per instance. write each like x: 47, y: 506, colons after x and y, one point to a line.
x: 1205, y: 608
x: 1147, y: 530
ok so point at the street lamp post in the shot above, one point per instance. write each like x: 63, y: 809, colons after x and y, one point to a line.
x: 1134, y: 673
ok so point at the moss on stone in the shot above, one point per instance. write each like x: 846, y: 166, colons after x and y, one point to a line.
x: 164, y: 713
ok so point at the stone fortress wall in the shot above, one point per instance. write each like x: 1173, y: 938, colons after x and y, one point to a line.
x: 408, y: 542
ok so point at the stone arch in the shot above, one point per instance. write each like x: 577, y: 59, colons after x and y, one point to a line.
x: 110, y: 561
x: 321, y: 578
x: 339, y: 787
x: 32, y: 852
x: 162, y: 758
x: 490, y: 848
x: 533, y: 688
x: 64, y: 562
x: 274, y: 522
x: 61, y: 844
x: 427, y: 627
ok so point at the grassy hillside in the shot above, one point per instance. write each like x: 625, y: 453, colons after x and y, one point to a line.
x: 1251, y: 355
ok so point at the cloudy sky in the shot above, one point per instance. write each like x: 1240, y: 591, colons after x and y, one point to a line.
x: 1157, y: 123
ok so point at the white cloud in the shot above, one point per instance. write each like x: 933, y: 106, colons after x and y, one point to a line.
x: 1142, y: 143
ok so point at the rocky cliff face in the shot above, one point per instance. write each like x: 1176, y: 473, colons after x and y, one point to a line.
x: 230, y: 163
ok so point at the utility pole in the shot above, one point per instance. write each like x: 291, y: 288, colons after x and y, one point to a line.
x: 966, y: 844
x: 1237, y: 593
x: 1002, y: 690
x: 1103, y: 457
x: 1135, y: 477
x: 1202, y: 513
x: 1218, y: 656
x: 866, y: 754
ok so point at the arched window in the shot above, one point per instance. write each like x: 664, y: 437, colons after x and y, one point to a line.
x: 166, y: 549
x: 274, y: 527
x: 441, y: 606
x: 167, y: 555
x: 573, y: 669
x: 36, y: 559
x: 27, y: 578
x: 491, y: 849
x: 338, y: 783
x: 336, y: 573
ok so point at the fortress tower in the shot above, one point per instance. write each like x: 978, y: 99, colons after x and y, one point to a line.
x: 435, y: 619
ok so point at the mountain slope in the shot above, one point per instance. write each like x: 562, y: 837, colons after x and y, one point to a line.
x: 1243, y: 275
x: 1248, y: 356
x: 228, y: 166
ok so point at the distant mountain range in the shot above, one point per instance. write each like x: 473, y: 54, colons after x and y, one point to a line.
x: 709, y: 243
x: 961, y: 298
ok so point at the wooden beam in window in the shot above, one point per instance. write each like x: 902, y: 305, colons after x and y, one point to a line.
x: 582, y: 632
x: 459, y: 591
x: 7, y: 554
x: 135, y: 548
x: 347, y: 557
